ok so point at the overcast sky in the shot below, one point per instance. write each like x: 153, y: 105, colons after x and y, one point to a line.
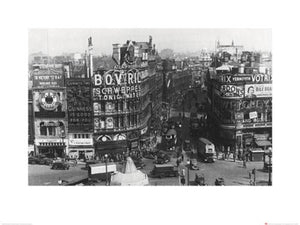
x: 57, y: 41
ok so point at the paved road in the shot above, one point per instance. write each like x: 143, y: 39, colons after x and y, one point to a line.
x: 43, y: 175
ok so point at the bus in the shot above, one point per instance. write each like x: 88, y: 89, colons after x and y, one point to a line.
x: 206, y: 150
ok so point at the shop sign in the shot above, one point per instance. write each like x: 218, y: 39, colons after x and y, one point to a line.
x: 261, y: 137
x: 232, y: 91
x: 82, y: 141
x: 253, y: 115
x: 258, y: 90
x: 46, y: 81
x: 54, y: 140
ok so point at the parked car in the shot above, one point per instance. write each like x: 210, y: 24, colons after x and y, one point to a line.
x: 139, y: 164
x: 162, y: 158
x: 161, y: 171
x: 148, y: 155
x: 220, y: 181
x: 60, y: 166
x: 194, y: 164
x: 33, y: 160
x: 46, y: 161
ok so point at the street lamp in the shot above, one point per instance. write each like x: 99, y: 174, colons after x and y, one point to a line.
x: 106, y: 183
x: 269, y: 169
x: 188, y: 172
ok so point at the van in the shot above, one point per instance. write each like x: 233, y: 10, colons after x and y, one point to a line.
x: 165, y: 170
x: 98, y: 171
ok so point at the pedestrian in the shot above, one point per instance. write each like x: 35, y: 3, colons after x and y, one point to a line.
x: 250, y: 175
x: 244, y: 163
x: 239, y: 155
x: 254, y: 176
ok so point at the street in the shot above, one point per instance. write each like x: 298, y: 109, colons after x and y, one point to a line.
x: 233, y: 173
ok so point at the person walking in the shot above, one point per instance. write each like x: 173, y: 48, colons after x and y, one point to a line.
x: 254, y: 176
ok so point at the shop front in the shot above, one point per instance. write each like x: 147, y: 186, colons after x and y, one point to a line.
x: 81, y: 148
x: 52, y: 148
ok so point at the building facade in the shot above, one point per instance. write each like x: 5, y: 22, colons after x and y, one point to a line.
x: 121, y: 98
x: 241, y: 108
x: 49, y: 111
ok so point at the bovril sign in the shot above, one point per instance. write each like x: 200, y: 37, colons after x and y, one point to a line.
x: 118, y: 77
x: 117, y: 84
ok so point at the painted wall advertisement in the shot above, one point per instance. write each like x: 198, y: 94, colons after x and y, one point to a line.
x: 117, y: 84
x: 79, y: 104
x: 258, y: 90
x: 49, y: 80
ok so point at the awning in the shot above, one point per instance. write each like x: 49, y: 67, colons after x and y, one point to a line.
x: 263, y: 143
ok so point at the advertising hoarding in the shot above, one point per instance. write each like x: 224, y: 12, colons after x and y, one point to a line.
x: 116, y: 84
x: 229, y: 90
x: 258, y: 90
x: 48, y: 81
x: 79, y: 104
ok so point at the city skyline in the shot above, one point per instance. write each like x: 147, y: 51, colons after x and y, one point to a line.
x: 59, y: 41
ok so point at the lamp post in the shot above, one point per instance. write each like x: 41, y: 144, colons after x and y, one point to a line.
x: 188, y: 172
x: 269, y: 168
x: 106, y: 183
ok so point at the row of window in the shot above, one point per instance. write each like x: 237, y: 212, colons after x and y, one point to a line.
x: 81, y: 136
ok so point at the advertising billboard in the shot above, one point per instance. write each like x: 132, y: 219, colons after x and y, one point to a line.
x: 116, y: 85
x: 258, y: 90
x: 245, y: 78
x: 48, y: 80
x: 79, y: 104
x: 229, y: 90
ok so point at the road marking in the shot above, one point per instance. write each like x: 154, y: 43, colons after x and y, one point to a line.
x: 47, y: 183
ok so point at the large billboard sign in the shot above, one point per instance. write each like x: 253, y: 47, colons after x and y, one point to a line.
x: 245, y: 78
x: 116, y: 85
x: 48, y: 81
x: 258, y: 90
x: 79, y: 104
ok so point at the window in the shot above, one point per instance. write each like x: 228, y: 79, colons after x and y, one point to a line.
x: 246, y: 116
x: 51, y: 130
x: 122, y: 122
x: 43, y: 129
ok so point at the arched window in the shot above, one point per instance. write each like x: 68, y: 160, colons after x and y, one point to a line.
x: 43, y: 129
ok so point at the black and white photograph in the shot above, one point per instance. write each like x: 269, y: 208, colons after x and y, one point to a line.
x: 135, y: 111
x: 149, y: 112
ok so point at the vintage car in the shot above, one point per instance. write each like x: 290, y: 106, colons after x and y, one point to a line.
x: 60, y: 166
